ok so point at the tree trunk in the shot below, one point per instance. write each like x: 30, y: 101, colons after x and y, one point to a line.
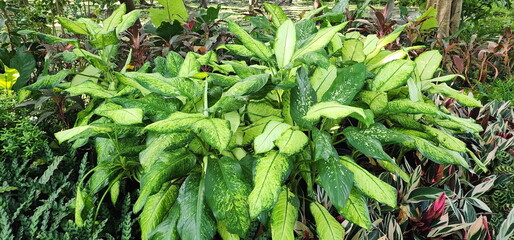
x: 203, y: 3
x: 448, y: 16
x: 316, y: 4
x: 129, y: 4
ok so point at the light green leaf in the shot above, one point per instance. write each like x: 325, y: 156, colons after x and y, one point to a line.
x: 90, y: 88
x: 92, y: 73
x: 270, y: 172
x: 356, y: 209
x: 48, y: 81
x: 371, y: 185
x: 382, y: 42
x: 167, y: 167
x: 127, y: 21
x: 154, y: 105
x: 155, y: 82
x: 377, y: 101
x: 173, y: 10
x: 74, y: 27
x: 177, y: 121
x: 278, y: 17
x: 326, y: 225
x: 393, y: 75
x: 238, y: 50
x: 507, y: 228
x: 156, y: 209
x: 291, y: 142
x: 452, y: 93
x: 427, y: 63
x: 216, y: 132
x: 196, y: 220
x: 446, y: 140
x: 80, y: 132
x: 224, y: 233
x: 320, y: 40
x: 284, y: 215
x: 259, y: 110
x: 365, y: 144
x: 167, y: 230
x: 348, y: 83
x: 257, y: 47
x: 110, y: 23
x: 285, y: 43
x: 322, y: 79
x: 226, y: 193
x: 370, y: 43
x: 236, y: 96
x: 332, y: 110
x: 190, y: 66
x: 125, y: 116
x: 336, y: 179
x: 408, y: 106
x: 83, y: 205
x: 353, y: 50
x: 302, y: 98
x: 265, y: 141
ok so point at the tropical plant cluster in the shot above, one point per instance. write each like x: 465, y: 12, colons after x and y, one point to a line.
x: 194, y: 126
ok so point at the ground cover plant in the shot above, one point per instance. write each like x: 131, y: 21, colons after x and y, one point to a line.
x: 279, y: 129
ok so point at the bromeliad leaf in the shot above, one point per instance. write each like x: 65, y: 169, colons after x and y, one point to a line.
x: 356, y: 209
x: 327, y: 226
x: 227, y: 192
x: 284, y: 215
x: 291, y: 142
x: 348, y: 83
x: 265, y: 141
x: 333, y: 110
x: 371, y: 185
x: 257, y: 47
x: 393, y: 75
x: 320, y: 40
x: 156, y: 208
x: 285, y: 43
x: 336, y: 179
x: 270, y: 172
x: 196, y: 220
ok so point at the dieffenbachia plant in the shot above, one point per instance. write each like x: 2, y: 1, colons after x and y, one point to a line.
x: 214, y: 152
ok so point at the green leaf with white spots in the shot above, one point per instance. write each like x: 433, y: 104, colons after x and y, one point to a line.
x: 336, y: 179
x: 327, y: 226
x: 371, y: 185
x: 322, y: 79
x: 367, y: 145
x: 177, y: 121
x: 356, y: 209
x: 285, y: 43
x: 320, y: 40
x: 284, y: 215
x: 427, y: 63
x: 278, y: 17
x: 190, y: 66
x: 173, y: 87
x: 408, y: 106
x: 461, y: 98
x: 156, y: 208
x: 348, y: 83
x: 291, y: 142
x: 270, y: 172
x: 257, y: 47
x: 302, y: 98
x: 238, y: 50
x: 445, y: 139
x: 226, y: 193
x: 48, y: 81
x: 214, y: 131
x: 332, y: 110
x: 393, y: 75
x: 265, y: 141
x: 125, y: 116
x: 90, y: 88
x: 353, y: 50
x: 81, y: 132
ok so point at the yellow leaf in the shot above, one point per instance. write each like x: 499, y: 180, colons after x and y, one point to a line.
x: 8, y: 78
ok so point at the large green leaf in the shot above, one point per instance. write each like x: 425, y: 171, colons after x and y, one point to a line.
x: 236, y: 96
x: 333, y: 110
x: 265, y: 141
x: 83, y: 206
x: 48, y: 81
x: 177, y: 121
x: 110, y: 23
x: 322, y: 79
x: 224, y: 233
x: 323, y: 148
x: 353, y: 50
x: 452, y: 93
x: 348, y: 83
x: 336, y: 179
x: 320, y: 40
x: 173, y: 10
x: 257, y: 47
x: 80, y: 132
x: 196, y: 220
x: 226, y: 193
x: 393, y: 75
x: 167, y: 167
x: 214, y: 131
x: 238, y: 50
x: 427, y: 63
x: 124, y: 116
x: 155, y: 82
x: 371, y: 185
x: 278, y: 17
x: 285, y: 43
x: 74, y: 27
x: 326, y: 225
x: 365, y: 144
x: 154, y: 106
x: 167, y: 229
x: 408, y: 106
x: 190, y: 66
x: 90, y: 88
x: 156, y: 209
x: 291, y: 142
x: 127, y: 21
x: 382, y: 42
x: 302, y: 98
x: 284, y: 215
x: 156, y: 144
x: 25, y: 63
x: 356, y: 209
x: 445, y: 139
x: 270, y: 172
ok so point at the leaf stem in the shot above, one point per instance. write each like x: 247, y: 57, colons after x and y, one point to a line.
x: 205, y: 100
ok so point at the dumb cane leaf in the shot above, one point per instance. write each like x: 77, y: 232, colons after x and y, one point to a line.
x: 215, y: 131
x: 427, y: 63
x: 48, y: 81
x: 74, y: 27
x: 127, y: 21
x: 353, y: 50
x: 238, y: 50
x: 90, y: 88
x: 265, y: 141
x: 156, y: 208
x: 83, y: 205
x: 291, y: 142
x: 449, y: 92
x: 366, y: 144
x: 157, y: 143
x: 336, y: 179
x: 284, y: 215
x: 125, y: 116
x: 303, y: 97
x: 323, y: 148
x: 237, y: 95
x: 278, y: 17
x: 408, y: 106
x: 80, y: 132
x: 326, y: 225
x: 333, y: 110
x: 393, y: 75
x: 371, y: 185
x: 285, y: 43
x: 257, y: 47
x: 224, y: 233
x: 167, y: 229
x: 196, y: 220
x: 227, y: 192
x: 322, y: 79
x: 110, y: 23
x: 270, y: 172
x: 320, y: 40
x: 356, y: 209
x: 446, y: 140
x: 348, y: 83
x: 173, y: 87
